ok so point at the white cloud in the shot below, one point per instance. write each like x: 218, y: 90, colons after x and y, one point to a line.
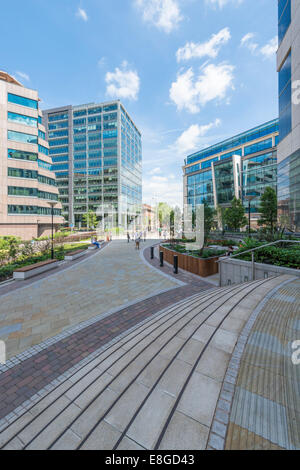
x: 155, y: 171
x: 102, y: 62
x: 248, y: 42
x: 81, y: 13
x: 190, y: 92
x: 267, y: 51
x: 123, y: 83
x: 190, y: 139
x: 222, y: 3
x: 210, y: 48
x: 270, y: 48
x: 167, y: 190
x: 164, y: 14
x: 23, y: 76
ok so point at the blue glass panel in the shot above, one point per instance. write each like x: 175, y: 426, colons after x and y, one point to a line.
x: 21, y: 137
x: 21, y: 119
x: 16, y: 99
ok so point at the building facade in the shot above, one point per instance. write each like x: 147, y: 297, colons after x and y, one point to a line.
x: 239, y: 167
x: 27, y: 181
x: 288, y: 66
x: 97, y: 158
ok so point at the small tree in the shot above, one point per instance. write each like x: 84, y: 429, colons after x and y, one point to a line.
x: 268, y: 209
x: 90, y: 219
x: 234, y: 216
x: 209, y: 217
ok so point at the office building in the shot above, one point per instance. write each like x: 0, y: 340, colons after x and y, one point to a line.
x: 288, y: 152
x: 97, y: 158
x: 26, y: 180
x: 241, y: 166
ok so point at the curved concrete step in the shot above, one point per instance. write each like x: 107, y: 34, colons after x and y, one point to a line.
x: 155, y: 388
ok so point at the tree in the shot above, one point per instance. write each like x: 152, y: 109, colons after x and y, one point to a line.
x: 163, y: 210
x: 268, y: 209
x: 209, y: 218
x: 90, y: 219
x: 234, y: 216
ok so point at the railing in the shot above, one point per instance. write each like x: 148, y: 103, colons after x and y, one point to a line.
x: 252, y: 251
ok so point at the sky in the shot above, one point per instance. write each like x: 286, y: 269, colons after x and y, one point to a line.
x: 189, y: 72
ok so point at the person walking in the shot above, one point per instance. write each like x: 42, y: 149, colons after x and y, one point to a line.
x: 128, y: 237
x: 137, y: 243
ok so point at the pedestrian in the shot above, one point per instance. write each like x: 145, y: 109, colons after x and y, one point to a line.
x: 95, y: 242
x: 137, y: 243
x: 229, y: 251
x: 128, y: 237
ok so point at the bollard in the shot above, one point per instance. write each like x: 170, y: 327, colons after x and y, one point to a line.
x: 161, y: 258
x: 152, y: 252
x: 175, y: 262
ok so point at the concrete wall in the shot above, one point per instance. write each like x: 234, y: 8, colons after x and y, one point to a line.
x: 233, y: 271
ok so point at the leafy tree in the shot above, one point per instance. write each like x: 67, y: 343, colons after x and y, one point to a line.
x: 90, y: 219
x: 234, y: 216
x: 268, y: 209
x: 209, y: 218
x: 163, y: 210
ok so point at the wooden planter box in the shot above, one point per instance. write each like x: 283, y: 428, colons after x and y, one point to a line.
x: 202, y: 267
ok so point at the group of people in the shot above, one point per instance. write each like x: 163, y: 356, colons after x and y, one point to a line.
x: 137, y: 237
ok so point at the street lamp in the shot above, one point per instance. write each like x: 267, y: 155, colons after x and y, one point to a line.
x: 249, y: 198
x: 52, y: 204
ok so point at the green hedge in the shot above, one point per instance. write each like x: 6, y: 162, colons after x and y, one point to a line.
x: 275, y: 255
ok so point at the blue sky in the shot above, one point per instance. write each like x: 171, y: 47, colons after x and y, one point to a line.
x: 189, y: 72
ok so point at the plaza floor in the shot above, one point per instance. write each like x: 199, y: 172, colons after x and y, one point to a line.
x: 165, y: 366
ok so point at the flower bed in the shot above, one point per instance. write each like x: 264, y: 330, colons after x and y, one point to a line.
x: 203, y: 267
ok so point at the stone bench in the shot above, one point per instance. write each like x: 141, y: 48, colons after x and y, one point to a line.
x: 74, y: 255
x: 34, y: 269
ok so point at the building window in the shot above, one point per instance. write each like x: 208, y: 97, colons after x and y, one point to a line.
x: 58, y: 117
x: 22, y: 155
x: 21, y: 137
x: 20, y: 100
x: 258, y: 147
x: 284, y: 18
x: 20, y: 173
x: 285, y: 98
x: 22, y: 119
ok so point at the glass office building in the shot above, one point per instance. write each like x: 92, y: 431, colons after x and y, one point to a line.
x: 288, y: 66
x: 97, y: 158
x: 237, y: 167
x: 28, y: 184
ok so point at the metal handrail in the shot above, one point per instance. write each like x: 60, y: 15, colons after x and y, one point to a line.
x: 252, y: 250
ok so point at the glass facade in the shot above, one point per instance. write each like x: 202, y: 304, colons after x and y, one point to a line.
x: 254, y: 134
x: 247, y: 170
x: 224, y: 182
x: 288, y: 192
x: 284, y: 18
x: 21, y: 137
x: 100, y: 148
x: 285, y: 98
x: 31, y: 210
x: 22, y: 155
x: 22, y: 119
x: 20, y: 100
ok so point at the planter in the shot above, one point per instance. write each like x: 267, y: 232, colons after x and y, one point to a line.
x: 203, y: 267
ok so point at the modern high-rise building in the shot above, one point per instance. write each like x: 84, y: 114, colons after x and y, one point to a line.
x: 241, y: 166
x: 26, y: 180
x: 97, y: 158
x: 288, y: 66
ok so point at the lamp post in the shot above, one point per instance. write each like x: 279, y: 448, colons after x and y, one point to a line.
x: 52, y: 204
x: 249, y: 198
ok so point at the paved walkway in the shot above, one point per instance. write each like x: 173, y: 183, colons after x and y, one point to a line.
x: 39, y: 365
x: 107, y: 280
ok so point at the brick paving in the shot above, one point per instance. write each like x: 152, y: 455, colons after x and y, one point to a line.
x: 24, y: 380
